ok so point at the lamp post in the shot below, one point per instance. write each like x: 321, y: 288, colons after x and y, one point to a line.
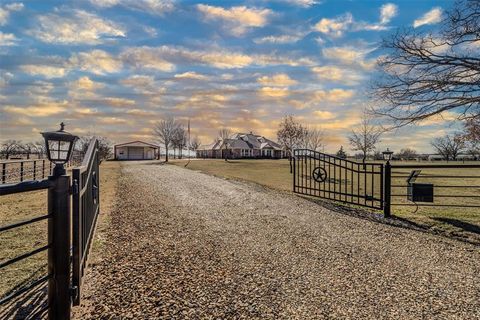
x: 387, y: 155
x: 59, y: 146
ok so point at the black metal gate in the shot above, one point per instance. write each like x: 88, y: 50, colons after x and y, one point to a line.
x: 51, y: 294
x: 325, y: 176
x: 86, y: 205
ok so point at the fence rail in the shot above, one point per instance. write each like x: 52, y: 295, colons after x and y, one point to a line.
x: 14, y: 171
x: 34, y: 285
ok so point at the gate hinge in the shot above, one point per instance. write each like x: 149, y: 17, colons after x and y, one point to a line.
x: 74, y: 188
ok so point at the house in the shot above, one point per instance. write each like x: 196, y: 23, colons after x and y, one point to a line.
x: 136, y: 150
x: 242, y: 145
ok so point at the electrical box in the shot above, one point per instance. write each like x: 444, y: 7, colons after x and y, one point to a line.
x: 418, y: 192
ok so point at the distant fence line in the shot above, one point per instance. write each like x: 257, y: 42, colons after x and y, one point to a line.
x: 14, y: 171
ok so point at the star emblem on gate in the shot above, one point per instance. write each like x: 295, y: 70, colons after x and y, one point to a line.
x: 319, y: 174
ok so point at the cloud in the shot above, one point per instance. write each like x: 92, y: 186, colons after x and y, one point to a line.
x: 7, y: 39
x: 77, y: 27
x: 350, y: 55
x: 274, y: 92
x: 42, y: 109
x: 44, y: 70
x: 302, y: 3
x: 237, y: 20
x: 334, y: 27
x: 333, y: 73
x: 278, y: 80
x: 84, y: 83
x: 138, y: 81
x: 387, y: 12
x: 7, y: 9
x: 190, y: 75
x: 146, y: 57
x: 96, y: 62
x: 118, y: 102
x: 324, y: 115
x: 281, y: 39
x: 333, y: 95
x: 431, y: 17
x: 157, y: 7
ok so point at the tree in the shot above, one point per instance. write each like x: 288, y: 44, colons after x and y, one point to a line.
x: 224, y: 135
x: 313, y: 138
x: 290, y: 135
x: 407, y: 154
x: 165, y: 131
x: 365, y: 137
x: 179, y: 140
x: 195, y: 143
x: 471, y: 137
x: 449, y: 146
x: 341, y: 153
x: 427, y: 74
x: 104, y: 146
x: 40, y: 147
x: 10, y: 147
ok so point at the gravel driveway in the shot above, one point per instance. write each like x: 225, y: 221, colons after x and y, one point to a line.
x: 185, y: 245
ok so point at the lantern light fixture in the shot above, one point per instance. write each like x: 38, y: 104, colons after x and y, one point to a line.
x: 387, y: 155
x: 59, y: 145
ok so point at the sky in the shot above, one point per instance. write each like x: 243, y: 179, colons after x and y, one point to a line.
x: 116, y: 67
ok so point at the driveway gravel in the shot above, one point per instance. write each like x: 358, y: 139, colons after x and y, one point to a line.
x: 185, y: 245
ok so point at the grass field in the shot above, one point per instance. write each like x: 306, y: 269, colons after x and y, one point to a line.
x: 24, y: 206
x: 461, y: 222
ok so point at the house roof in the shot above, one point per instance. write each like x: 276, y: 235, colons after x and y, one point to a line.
x: 137, y: 143
x: 243, y: 141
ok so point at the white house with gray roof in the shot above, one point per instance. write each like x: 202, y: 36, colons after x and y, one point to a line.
x: 242, y: 145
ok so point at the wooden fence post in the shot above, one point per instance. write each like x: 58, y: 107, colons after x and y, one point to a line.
x: 59, y: 297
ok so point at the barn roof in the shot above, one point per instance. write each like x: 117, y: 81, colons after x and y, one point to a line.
x: 137, y: 143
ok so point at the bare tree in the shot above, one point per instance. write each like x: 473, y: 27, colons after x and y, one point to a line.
x: 428, y: 74
x: 10, y: 147
x: 165, y: 131
x: 290, y: 135
x: 449, y: 146
x: 40, y: 148
x: 195, y: 143
x: 224, y: 135
x: 27, y: 148
x: 341, y: 153
x: 365, y: 137
x: 314, y: 138
x: 104, y: 146
x: 407, y: 154
x: 179, y: 140
x: 471, y: 137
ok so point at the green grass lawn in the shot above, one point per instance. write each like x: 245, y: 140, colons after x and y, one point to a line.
x: 458, y: 221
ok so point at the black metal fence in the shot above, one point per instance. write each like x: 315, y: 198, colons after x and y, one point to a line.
x: 384, y: 185
x: 435, y: 185
x: 86, y: 205
x: 61, y: 272
x: 329, y: 177
x: 13, y: 171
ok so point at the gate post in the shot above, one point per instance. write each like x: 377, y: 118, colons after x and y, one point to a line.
x: 388, y: 190
x: 59, y: 250
x: 294, y: 173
